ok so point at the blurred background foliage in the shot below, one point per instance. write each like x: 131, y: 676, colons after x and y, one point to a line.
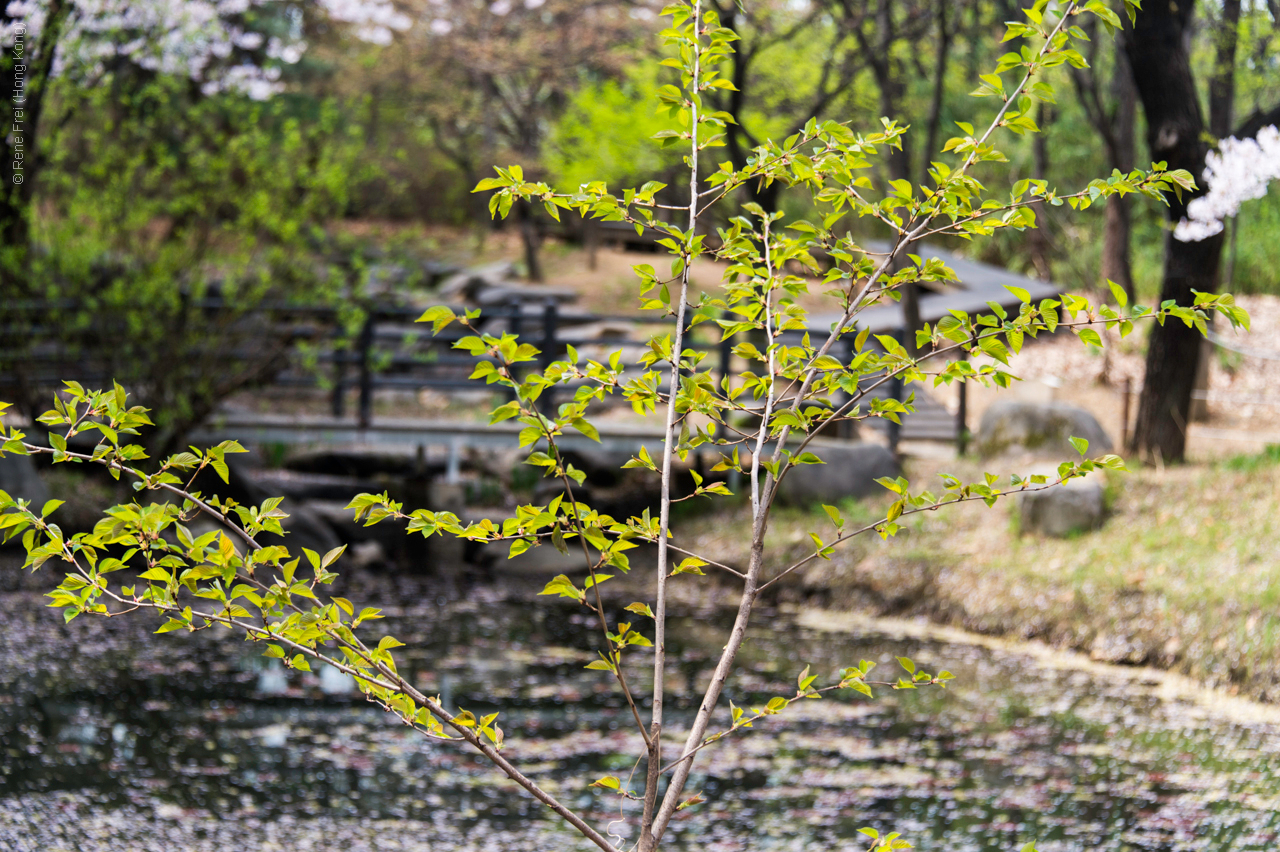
x: 154, y: 194
x: 143, y: 166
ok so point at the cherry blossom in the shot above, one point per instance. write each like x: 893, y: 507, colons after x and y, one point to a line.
x: 213, y: 42
x: 1237, y: 172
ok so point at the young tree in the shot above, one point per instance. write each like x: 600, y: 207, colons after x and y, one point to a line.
x: 761, y: 423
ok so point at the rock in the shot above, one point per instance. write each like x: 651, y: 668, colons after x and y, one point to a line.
x: 1075, y: 506
x: 851, y: 470
x: 386, y: 281
x: 367, y: 553
x: 467, y: 284
x: 525, y: 294
x: 20, y: 480
x: 1041, y: 428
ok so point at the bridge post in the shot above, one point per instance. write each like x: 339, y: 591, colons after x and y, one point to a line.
x: 846, y: 429
x: 366, y: 371
x: 339, y: 397
x: 550, y: 317
x: 726, y: 355
x: 514, y: 316
x: 895, y: 392
x: 962, y: 417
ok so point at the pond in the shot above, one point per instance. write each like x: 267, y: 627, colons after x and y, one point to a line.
x: 114, y: 739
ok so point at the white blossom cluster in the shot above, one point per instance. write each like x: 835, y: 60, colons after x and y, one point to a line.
x: 208, y: 41
x: 1237, y: 172
x: 374, y: 20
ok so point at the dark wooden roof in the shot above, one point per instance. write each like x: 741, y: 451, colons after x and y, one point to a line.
x: 979, y: 284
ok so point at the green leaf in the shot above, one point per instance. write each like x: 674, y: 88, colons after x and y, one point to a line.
x: 1088, y: 335
x: 389, y: 642
x: 1122, y: 298
x: 1081, y: 445
x: 691, y: 565
x: 587, y: 429
x: 639, y: 609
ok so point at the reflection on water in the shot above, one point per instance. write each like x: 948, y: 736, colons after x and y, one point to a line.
x: 114, y: 739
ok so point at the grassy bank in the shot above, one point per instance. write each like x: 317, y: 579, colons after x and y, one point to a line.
x: 1184, y: 575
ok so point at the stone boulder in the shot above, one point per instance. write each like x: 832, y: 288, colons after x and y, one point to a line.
x: 1076, y: 506
x: 851, y: 470
x: 20, y: 480
x: 1040, y: 428
x: 466, y: 285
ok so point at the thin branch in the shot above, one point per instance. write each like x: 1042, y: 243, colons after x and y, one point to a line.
x: 721, y: 565
x: 390, y: 680
x: 649, y: 836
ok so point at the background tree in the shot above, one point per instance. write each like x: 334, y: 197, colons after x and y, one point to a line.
x: 502, y: 73
x: 1111, y: 107
x: 1160, y: 55
x: 161, y: 204
x: 239, y: 47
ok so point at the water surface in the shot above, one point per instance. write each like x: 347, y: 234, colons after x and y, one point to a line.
x: 116, y: 739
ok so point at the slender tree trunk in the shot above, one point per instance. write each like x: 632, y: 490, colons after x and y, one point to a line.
x: 26, y: 71
x: 892, y: 89
x: 1222, y: 85
x: 1116, y: 263
x: 531, y: 240
x: 1159, y: 54
x: 1222, y: 96
x: 1038, y: 239
x: 933, y: 124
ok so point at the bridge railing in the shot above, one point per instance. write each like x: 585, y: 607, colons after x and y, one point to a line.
x: 390, y: 351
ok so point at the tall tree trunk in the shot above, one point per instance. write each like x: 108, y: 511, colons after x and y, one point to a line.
x: 1159, y: 54
x: 1222, y: 98
x: 1116, y: 263
x: 1038, y: 238
x: 1222, y: 85
x: 1221, y: 110
x: 933, y: 124
x: 892, y: 89
x: 531, y: 240
x: 26, y: 72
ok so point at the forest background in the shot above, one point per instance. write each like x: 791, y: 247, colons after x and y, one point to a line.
x: 317, y: 150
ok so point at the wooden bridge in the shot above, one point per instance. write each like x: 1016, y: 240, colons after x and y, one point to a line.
x: 392, y: 352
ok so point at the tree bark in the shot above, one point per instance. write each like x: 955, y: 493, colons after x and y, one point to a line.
x: 1038, y: 243
x: 1117, y: 265
x: 933, y: 125
x: 32, y: 67
x: 1222, y: 85
x: 1222, y: 98
x: 530, y: 239
x: 1159, y: 54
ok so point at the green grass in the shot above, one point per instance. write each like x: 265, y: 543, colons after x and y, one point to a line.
x: 1185, y: 573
